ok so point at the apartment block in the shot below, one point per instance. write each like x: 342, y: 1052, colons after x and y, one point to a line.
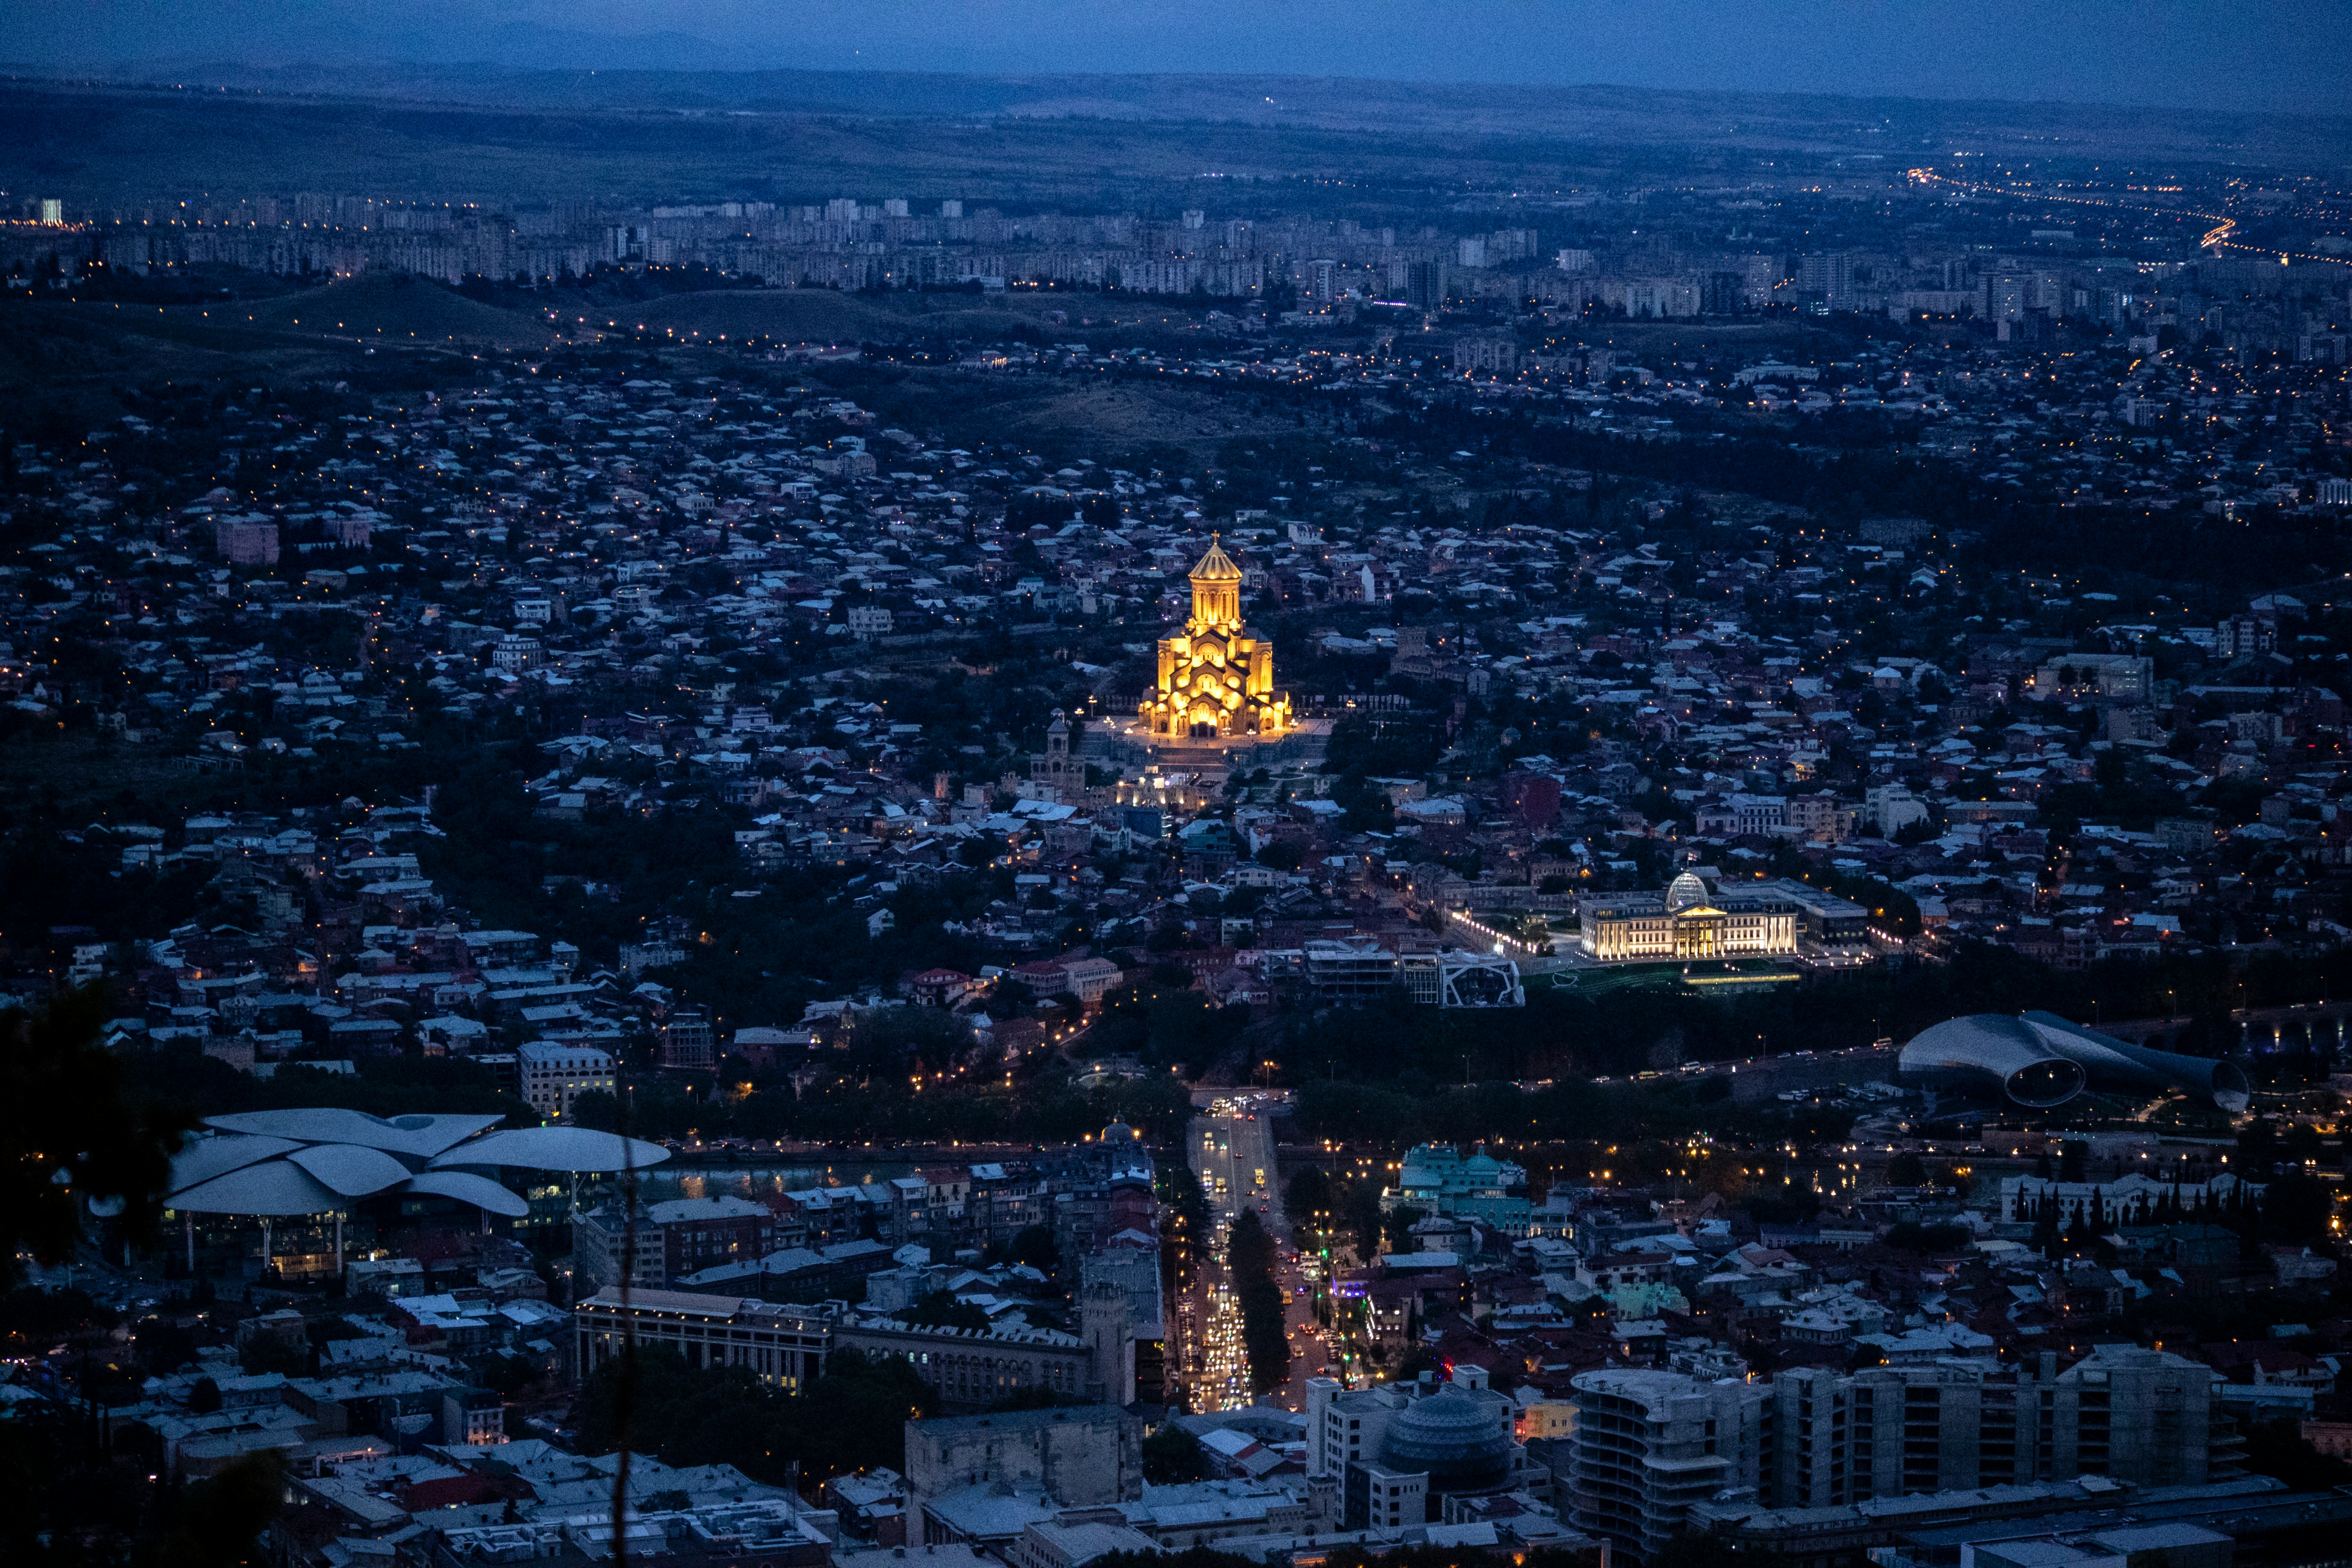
x: 553, y: 1077
x: 1650, y: 1445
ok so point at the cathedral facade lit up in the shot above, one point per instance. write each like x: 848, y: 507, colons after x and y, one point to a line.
x: 1216, y: 681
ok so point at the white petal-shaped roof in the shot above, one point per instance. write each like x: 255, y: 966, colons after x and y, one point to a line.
x: 420, y: 1134
x: 204, y: 1158
x: 271, y: 1187
x: 555, y: 1149
x: 309, y: 1161
x: 467, y: 1187
x: 351, y: 1170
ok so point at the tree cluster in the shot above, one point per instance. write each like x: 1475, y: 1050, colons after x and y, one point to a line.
x: 1250, y: 1259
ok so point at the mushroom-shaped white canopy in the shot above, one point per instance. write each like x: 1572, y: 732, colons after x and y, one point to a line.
x: 467, y: 1187
x: 270, y: 1187
x: 351, y: 1170
x: 555, y: 1149
x: 304, y: 1161
x: 204, y: 1158
x: 421, y: 1135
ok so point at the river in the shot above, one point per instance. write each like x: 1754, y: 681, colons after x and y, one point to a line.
x: 675, y: 1180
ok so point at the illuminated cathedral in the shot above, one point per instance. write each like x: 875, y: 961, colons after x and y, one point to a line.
x: 1216, y: 681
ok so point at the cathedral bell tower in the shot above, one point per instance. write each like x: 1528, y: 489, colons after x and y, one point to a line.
x: 1216, y: 592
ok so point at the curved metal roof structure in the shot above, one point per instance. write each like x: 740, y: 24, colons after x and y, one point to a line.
x: 467, y: 1187
x: 2040, y: 1060
x: 420, y: 1134
x: 304, y: 1161
x: 1988, y: 1052
x: 206, y: 1158
x: 272, y: 1187
x: 2120, y: 1064
x: 555, y: 1149
x: 350, y: 1168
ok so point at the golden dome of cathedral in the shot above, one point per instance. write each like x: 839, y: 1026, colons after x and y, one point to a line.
x: 1216, y: 566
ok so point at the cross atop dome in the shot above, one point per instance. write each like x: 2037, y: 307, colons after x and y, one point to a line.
x: 1216, y: 566
x: 1216, y: 591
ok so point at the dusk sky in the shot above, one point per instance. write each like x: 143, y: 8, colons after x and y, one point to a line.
x: 2295, y: 56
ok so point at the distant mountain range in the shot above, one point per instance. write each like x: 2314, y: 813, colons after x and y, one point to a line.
x: 516, y: 47
x: 680, y: 73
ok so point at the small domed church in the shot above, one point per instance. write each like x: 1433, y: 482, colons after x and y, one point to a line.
x: 1216, y: 680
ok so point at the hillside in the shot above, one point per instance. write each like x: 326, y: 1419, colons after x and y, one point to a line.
x: 787, y: 315
x: 412, y: 311
x: 66, y: 368
x: 822, y: 315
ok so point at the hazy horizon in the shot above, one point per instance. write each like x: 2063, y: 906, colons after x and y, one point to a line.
x: 2196, y: 54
